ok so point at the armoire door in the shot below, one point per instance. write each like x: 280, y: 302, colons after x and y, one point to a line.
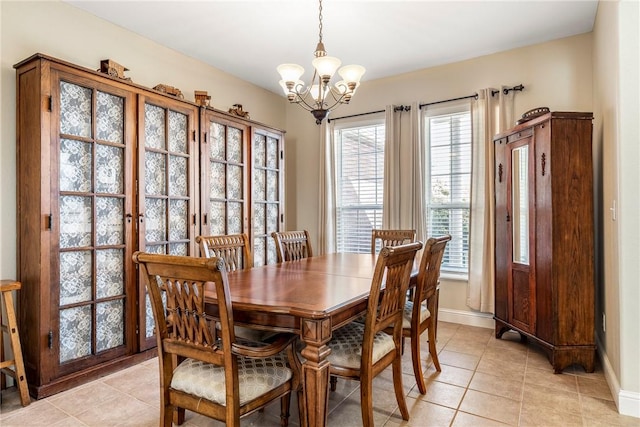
x: 520, y: 216
x: 93, y: 292
x: 167, y: 199
x: 267, y: 193
x: 224, y: 183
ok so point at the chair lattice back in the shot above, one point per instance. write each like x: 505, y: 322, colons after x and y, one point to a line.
x: 232, y: 248
x: 429, y: 271
x: 391, y: 238
x: 183, y: 328
x: 292, y: 245
x: 391, y: 279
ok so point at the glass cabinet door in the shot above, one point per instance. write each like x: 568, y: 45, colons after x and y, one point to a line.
x: 267, y: 194
x: 94, y: 209
x: 520, y: 202
x: 224, y: 184
x: 166, y: 216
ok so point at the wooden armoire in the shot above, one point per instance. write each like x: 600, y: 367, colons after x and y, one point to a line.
x: 544, y: 234
x: 106, y: 167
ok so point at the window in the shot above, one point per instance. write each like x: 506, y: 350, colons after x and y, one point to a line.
x: 360, y: 168
x: 448, y: 139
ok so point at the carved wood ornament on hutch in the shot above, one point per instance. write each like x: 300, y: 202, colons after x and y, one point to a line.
x: 544, y: 286
x: 106, y: 167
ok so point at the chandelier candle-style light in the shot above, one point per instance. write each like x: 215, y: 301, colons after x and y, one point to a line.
x: 320, y: 97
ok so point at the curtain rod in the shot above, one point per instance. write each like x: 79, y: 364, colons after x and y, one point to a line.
x: 506, y: 90
x: 397, y: 108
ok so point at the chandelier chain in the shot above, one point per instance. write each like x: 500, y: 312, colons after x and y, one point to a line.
x: 320, y: 21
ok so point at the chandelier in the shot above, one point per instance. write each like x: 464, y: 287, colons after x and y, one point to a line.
x: 320, y: 96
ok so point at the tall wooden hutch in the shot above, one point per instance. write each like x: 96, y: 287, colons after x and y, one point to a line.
x: 106, y: 167
x: 544, y: 285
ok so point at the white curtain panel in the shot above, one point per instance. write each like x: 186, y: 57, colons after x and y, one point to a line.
x: 418, y: 213
x: 391, y: 183
x: 491, y: 114
x: 327, y: 190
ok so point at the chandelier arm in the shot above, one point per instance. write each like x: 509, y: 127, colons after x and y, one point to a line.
x: 337, y: 101
x: 302, y: 102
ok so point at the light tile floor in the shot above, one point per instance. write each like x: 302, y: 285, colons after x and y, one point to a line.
x: 484, y: 382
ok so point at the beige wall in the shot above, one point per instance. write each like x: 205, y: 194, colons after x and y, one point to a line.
x: 62, y: 31
x: 557, y: 75
x: 617, y: 136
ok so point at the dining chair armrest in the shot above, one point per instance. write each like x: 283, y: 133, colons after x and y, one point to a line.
x: 273, y: 347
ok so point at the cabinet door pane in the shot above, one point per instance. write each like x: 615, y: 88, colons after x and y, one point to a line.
x: 234, y: 218
x: 75, y: 277
x: 76, y: 221
x: 75, y: 109
x: 218, y: 181
x: 109, y: 118
x: 217, y: 218
x: 156, y: 214
x: 154, y: 127
x: 155, y: 173
x: 109, y: 318
x: 75, y: 166
x: 109, y: 169
x: 109, y: 221
x: 75, y: 333
x: 178, y: 184
x: 109, y: 272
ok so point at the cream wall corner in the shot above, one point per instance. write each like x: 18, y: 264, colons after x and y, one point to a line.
x: 617, y: 132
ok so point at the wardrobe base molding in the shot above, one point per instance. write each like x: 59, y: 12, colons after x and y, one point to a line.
x: 560, y: 356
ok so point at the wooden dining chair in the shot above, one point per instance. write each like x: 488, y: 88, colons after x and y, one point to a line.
x: 361, y: 351
x: 292, y: 245
x: 422, y: 313
x: 235, y: 251
x: 222, y: 378
x: 233, y: 248
x: 390, y: 238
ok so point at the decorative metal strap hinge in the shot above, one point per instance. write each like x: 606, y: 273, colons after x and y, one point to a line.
x: 50, y: 338
x: 50, y: 103
x: 500, y: 172
x: 544, y: 162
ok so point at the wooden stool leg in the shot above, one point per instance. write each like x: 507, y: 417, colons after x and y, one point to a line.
x: 18, y: 363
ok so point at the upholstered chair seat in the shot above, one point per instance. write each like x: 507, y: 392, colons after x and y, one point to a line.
x: 256, y: 377
x: 346, y: 346
x: 408, y: 313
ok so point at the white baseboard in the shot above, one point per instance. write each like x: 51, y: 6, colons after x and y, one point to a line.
x: 628, y: 402
x: 469, y: 318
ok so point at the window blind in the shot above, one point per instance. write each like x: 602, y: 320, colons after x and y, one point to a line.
x: 360, y: 160
x: 449, y: 184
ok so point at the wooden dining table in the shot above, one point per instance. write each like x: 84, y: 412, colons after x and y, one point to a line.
x: 311, y: 297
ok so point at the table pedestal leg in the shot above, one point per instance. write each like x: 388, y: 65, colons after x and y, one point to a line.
x: 315, y: 370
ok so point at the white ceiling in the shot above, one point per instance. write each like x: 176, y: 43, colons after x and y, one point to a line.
x: 250, y: 38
